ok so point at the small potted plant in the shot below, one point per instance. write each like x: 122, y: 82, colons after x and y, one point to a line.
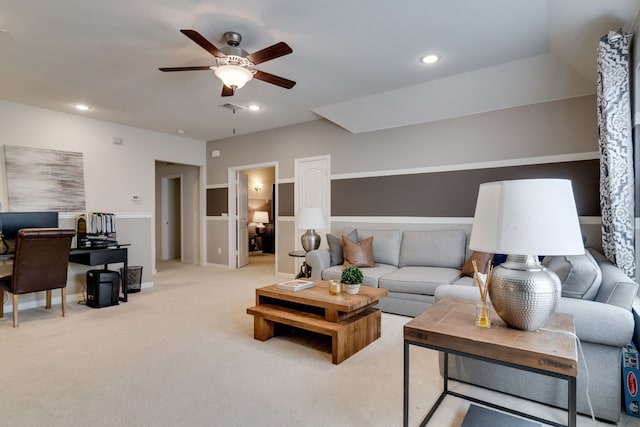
x: 352, y: 279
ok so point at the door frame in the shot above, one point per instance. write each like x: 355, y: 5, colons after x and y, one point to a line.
x: 232, y: 214
x: 164, y: 180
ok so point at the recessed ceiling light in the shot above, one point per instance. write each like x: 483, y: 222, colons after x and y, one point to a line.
x: 254, y: 107
x: 180, y: 131
x: 82, y: 107
x: 429, y: 59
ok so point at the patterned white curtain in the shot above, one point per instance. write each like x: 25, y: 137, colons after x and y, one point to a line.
x: 616, y: 152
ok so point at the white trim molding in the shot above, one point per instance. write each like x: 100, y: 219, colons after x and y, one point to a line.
x: 593, y: 155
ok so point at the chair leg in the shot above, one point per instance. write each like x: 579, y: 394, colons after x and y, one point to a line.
x: 1, y: 303
x: 64, y: 300
x: 15, y: 310
x: 48, y: 305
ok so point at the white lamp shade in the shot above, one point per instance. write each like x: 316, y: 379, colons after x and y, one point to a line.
x: 311, y: 219
x: 527, y: 217
x: 233, y: 75
x: 261, y: 217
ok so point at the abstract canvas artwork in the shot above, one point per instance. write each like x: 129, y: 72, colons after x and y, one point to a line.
x: 44, y: 180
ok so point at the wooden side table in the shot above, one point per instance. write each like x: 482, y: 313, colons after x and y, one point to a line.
x: 449, y: 326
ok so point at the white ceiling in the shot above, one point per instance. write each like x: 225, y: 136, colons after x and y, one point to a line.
x: 355, y: 61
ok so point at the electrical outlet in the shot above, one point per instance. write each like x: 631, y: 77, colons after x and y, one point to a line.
x: 219, y: 251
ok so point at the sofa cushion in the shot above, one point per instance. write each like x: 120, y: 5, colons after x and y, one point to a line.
x: 616, y: 287
x: 482, y: 260
x: 335, y: 247
x: 386, y: 244
x: 359, y: 254
x: 418, y: 280
x: 437, y: 248
x: 580, y: 275
x: 371, y: 275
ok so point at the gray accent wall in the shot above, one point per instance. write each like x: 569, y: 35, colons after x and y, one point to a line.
x: 453, y: 193
x: 551, y: 128
x: 417, y: 173
x: 286, y: 199
x: 217, y: 201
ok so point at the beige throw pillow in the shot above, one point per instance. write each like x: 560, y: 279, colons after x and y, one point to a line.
x: 359, y: 254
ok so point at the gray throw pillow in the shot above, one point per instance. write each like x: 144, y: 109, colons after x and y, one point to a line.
x: 580, y: 275
x: 336, y: 254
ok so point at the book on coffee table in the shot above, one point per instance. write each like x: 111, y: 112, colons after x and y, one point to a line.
x: 295, y: 285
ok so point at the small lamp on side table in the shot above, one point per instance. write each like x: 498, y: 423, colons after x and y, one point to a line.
x: 523, y: 219
x: 311, y: 219
x: 259, y: 219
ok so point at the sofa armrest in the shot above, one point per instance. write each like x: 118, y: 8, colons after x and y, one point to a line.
x: 599, y: 323
x: 318, y: 260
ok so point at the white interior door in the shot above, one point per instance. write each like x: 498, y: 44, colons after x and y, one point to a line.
x: 242, y: 222
x: 313, y: 190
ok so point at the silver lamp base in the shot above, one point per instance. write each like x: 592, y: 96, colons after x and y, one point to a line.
x: 523, y: 292
x: 310, y: 240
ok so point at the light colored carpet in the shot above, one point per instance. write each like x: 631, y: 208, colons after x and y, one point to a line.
x: 182, y: 354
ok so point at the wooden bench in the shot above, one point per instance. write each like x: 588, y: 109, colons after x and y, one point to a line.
x: 348, y: 336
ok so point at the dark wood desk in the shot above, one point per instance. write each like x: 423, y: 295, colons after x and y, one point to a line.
x: 103, y: 256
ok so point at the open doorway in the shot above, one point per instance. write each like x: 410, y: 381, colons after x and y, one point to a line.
x: 177, y: 209
x: 261, y: 214
x: 258, y: 194
x: 171, y: 217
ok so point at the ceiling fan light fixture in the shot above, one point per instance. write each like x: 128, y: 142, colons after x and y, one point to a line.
x: 234, y: 71
x: 233, y: 76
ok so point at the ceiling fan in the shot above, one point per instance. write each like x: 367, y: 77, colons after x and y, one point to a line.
x: 234, y: 65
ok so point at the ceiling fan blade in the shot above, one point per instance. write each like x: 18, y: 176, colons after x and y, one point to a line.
x: 227, y: 91
x: 273, y: 79
x: 204, y: 67
x: 203, y: 43
x: 268, y: 53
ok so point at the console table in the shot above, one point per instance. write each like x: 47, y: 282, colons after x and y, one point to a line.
x: 449, y: 326
x: 100, y: 256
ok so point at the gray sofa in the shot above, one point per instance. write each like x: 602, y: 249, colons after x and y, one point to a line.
x: 411, y: 265
x: 420, y: 267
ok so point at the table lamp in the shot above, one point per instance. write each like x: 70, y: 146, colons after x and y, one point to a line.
x: 260, y: 217
x: 523, y: 219
x: 310, y: 219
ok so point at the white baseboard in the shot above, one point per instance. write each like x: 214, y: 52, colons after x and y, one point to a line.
x: 40, y: 301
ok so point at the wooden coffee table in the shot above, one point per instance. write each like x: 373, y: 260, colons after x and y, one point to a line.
x: 350, y: 320
x: 449, y: 326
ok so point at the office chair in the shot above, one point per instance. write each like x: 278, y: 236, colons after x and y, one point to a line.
x: 40, y: 264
